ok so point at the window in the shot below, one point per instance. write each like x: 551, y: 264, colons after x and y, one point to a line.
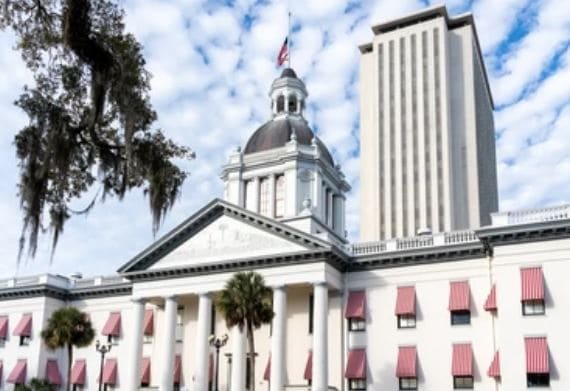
x: 280, y: 103
x: 533, y: 307
x: 356, y: 324
x: 147, y: 338
x: 537, y: 379
x: 460, y: 317
x: 25, y: 340
x: 280, y: 196
x: 408, y: 383
x: 113, y: 339
x: 179, y: 325
x: 264, y: 191
x: 356, y: 384
x: 462, y: 382
x: 213, y: 321
x: 407, y: 321
x: 292, y: 104
x: 311, y: 305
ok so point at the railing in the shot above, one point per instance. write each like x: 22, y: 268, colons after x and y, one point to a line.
x: 537, y: 215
x: 59, y: 281
x: 414, y: 242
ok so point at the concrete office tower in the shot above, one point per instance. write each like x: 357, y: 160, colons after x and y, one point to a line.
x: 426, y: 128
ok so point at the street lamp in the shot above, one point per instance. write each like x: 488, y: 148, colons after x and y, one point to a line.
x: 103, y: 349
x: 217, y: 343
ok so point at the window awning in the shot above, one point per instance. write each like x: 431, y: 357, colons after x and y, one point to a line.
x: 356, y: 364
x: 356, y: 305
x: 18, y: 374
x: 24, y: 327
x: 495, y: 367
x: 459, y: 297
x: 407, y: 362
x: 267, y: 372
x: 532, y: 284
x: 536, y: 355
x: 52, y: 372
x: 148, y: 324
x: 113, y: 325
x: 78, y: 372
x: 3, y: 327
x: 308, y: 375
x: 462, y: 361
x: 406, y: 300
x: 110, y: 371
x: 145, y: 370
x: 491, y: 302
x: 177, y: 369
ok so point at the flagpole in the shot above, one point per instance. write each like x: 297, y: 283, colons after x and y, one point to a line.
x: 289, y: 40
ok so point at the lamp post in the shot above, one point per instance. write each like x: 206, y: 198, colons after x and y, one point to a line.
x: 103, y: 349
x: 217, y: 343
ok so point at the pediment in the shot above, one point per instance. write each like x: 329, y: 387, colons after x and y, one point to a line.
x: 224, y: 239
x: 222, y: 232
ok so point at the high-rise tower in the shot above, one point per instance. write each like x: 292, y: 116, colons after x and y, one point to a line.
x: 426, y: 128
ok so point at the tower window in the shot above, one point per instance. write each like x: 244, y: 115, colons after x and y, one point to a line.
x: 280, y: 103
x: 280, y: 196
x: 292, y: 104
x: 264, y: 191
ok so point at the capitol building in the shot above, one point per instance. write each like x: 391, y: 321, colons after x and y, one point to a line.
x: 445, y: 292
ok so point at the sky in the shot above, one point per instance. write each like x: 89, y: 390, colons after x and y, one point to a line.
x: 212, y: 64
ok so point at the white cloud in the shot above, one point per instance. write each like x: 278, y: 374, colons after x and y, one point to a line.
x: 213, y: 104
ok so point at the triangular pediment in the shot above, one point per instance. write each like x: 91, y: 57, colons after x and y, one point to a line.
x: 222, y: 232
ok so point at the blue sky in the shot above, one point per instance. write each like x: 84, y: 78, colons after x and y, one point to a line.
x: 213, y: 62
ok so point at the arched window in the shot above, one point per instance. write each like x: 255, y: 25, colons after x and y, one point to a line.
x: 292, y: 104
x: 280, y: 103
x: 264, y: 191
x: 280, y: 196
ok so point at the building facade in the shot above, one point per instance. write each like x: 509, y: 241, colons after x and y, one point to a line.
x: 482, y: 309
x: 426, y: 128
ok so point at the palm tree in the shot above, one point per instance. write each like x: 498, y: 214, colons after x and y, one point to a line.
x: 66, y: 328
x: 245, y: 302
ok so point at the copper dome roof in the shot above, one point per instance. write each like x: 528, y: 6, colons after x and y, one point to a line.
x: 277, y: 132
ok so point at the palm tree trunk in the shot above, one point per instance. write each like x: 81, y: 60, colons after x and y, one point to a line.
x: 69, y: 359
x: 251, y: 356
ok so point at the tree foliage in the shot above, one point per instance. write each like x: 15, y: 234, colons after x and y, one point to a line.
x: 90, y: 116
x: 68, y: 328
x: 246, y: 302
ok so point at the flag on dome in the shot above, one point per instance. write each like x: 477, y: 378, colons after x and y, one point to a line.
x: 283, y: 52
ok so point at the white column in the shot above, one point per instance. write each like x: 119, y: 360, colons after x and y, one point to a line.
x: 278, y: 339
x: 202, y: 351
x: 255, y: 195
x: 272, y: 195
x: 168, y: 343
x: 136, y: 333
x: 320, y: 337
x: 238, y: 360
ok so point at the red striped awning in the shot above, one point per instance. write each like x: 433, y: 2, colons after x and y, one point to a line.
x: 78, y: 372
x: 462, y: 361
x: 3, y: 327
x: 407, y: 362
x: 148, y: 324
x: 145, y: 370
x: 532, y: 284
x: 406, y: 300
x: 356, y: 305
x: 536, y: 355
x: 110, y: 371
x: 356, y: 364
x: 308, y: 375
x: 459, y: 296
x: 18, y: 374
x: 177, y: 369
x: 491, y: 302
x: 24, y: 327
x: 495, y: 367
x: 113, y: 325
x: 52, y: 372
x: 267, y: 372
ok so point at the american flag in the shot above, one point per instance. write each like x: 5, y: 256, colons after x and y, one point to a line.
x: 283, y: 53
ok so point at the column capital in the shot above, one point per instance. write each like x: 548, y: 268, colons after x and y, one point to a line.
x: 170, y: 297
x: 139, y: 300
x: 278, y: 286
